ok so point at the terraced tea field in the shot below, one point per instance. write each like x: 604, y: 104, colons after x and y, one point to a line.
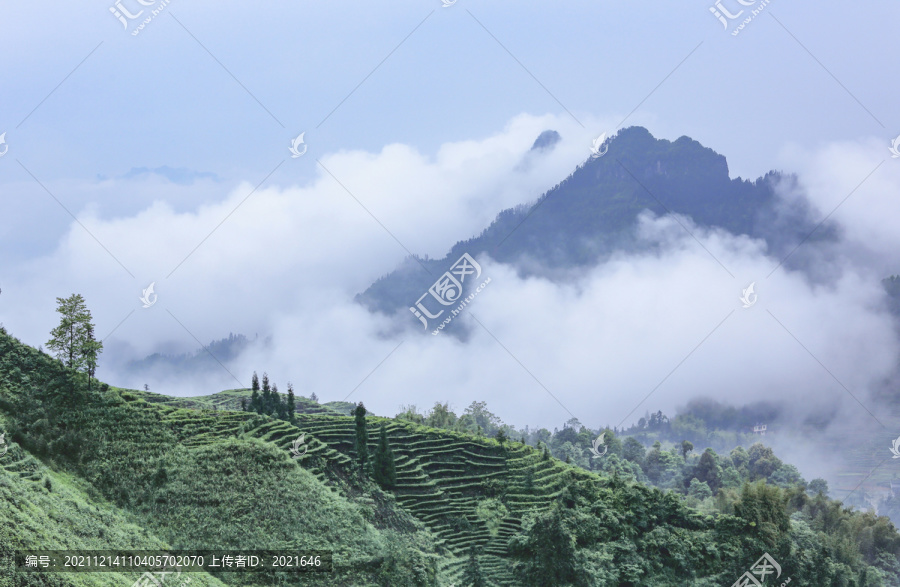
x: 442, y: 476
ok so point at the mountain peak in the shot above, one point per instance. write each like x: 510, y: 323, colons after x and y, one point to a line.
x: 593, y: 212
x: 546, y: 140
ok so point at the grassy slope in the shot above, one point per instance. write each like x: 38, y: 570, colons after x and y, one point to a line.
x: 68, y: 515
x: 230, y: 399
x: 154, y: 471
x: 203, y: 478
x: 215, y: 478
x: 442, y: 476
x: 182, y: 477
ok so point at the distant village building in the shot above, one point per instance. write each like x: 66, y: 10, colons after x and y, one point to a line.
x: 760, y: 429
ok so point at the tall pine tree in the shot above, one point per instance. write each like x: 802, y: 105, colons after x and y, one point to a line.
x: 291, y: 404
x: 280, y: 406
x: 255, y: 400
x: 473, y: 576
x: 384, y: 471
x: 89, y: 350
x: 362, y: 437
x: 266, y: 395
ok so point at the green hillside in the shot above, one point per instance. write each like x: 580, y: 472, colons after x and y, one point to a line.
x: 186, y: 478
x: 230, y: 399
x: 55, y: 510
x: 115, y: 468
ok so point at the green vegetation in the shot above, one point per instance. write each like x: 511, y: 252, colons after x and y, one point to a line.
x: 473, y: 576
x: 181, y: 478
x: 361, y: 446
x: 73, y: 340
x: 131, y: 469
x: 384, y: 468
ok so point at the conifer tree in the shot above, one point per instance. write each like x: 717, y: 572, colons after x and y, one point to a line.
x: 362, y: 437
x: 291, y: 404
x: 254, y: 385
x: 473, y: 576
x: 278, y: 404
x: 385, y: 470
x: 266, y: 395
x: 314, y: 397
x: 89, y: 350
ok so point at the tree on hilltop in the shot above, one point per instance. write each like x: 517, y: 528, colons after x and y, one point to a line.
x: 266, y: 395
x: 255, y: 400
x: 291, y: 404
x: 73, y: 340
x: 362, y: 437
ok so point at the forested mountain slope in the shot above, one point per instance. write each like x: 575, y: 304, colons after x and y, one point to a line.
x: 128, y: 473
x: 593, y: 212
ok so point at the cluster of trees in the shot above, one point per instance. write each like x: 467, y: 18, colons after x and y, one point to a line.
x: 73, y: 340
x: 476, y: 419
x: 707, y: 422
x: 613, y: 532
x: 699, y: 476
x: 269, y: 402
x: 705, y: 475
x: 381, y: 468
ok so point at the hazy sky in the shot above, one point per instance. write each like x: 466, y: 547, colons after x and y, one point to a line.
x: 418, y: 119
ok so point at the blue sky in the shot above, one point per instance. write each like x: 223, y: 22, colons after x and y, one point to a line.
x: 161, y: 99
x: 423, y: 114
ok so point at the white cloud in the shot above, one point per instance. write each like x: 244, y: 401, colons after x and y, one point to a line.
x: 288, y: 262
